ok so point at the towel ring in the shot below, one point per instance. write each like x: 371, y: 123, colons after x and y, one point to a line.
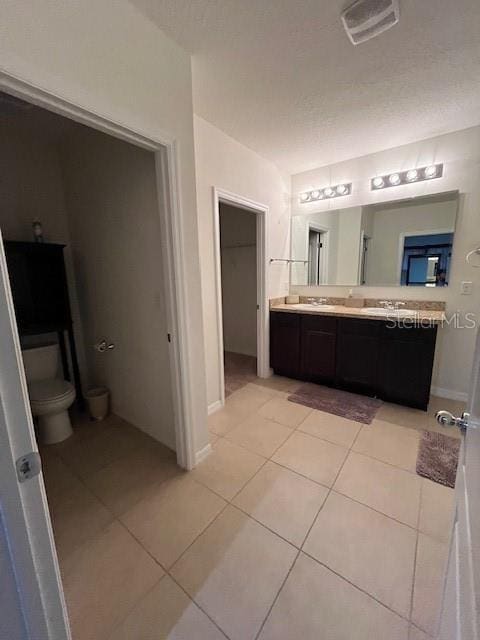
x: 470, y: 254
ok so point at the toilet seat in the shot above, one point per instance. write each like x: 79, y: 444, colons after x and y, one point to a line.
x: 44, y: 391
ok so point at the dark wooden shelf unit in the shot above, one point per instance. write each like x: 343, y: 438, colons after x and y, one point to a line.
x: 40, y: 296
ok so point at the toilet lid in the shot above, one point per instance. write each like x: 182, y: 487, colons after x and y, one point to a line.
x: 45, y: 390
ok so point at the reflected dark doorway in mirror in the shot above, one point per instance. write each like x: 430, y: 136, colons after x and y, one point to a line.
x: 426, y: 260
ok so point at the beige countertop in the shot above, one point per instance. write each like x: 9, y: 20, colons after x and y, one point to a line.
x: 407, y: 315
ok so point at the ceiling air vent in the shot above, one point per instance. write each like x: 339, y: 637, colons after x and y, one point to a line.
x: 365, y: 19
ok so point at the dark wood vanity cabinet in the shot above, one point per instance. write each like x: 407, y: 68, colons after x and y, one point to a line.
x: 318, y: 348
x: 405, y: 364
x: 372, y: 357
x: 357, y: 355
x: 285, y: 344
x: 39, y: 287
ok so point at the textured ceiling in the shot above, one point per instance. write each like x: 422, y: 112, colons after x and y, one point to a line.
x: 281, y: 76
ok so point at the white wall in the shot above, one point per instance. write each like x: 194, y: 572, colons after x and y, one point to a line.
x: 113, y: 61
x: 114, y: 218
x: 224, y: 163
x: 238, y: 248
x: 389, y: 223
x: 460, y: 153
x: 348, y: 250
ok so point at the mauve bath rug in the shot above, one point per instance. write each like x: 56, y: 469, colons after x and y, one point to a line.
x: 340, y: 403
x: 438, y: 458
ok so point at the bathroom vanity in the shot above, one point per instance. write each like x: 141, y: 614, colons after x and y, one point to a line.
x: 401, y: 246
x: 348, y: 349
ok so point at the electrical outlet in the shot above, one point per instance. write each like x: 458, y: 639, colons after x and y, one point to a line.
x: 466, y: 288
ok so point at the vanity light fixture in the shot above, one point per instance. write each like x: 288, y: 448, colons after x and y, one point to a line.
x: 336, y: 191
x: 394, y: 179
x: 406, y: 177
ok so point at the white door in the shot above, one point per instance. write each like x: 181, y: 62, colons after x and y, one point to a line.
x: 32, y: 605
x: 461, y: 606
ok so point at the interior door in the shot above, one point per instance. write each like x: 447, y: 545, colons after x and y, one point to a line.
x: 461, y: 606
x: 32, y: 605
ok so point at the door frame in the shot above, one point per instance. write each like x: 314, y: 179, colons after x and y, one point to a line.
x: 165, y: 153
x: 407, y: 234
x: 261, y: 211
x: 25, y: 517
x: 325, y: 254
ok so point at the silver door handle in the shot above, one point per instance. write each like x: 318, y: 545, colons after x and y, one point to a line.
x: 103, y: 346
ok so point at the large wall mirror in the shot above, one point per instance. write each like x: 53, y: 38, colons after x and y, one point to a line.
x: 397, y: 243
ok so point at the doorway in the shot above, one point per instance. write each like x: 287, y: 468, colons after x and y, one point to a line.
x: 240, y: 250
x: 26, y: 511
x: 238, y: 255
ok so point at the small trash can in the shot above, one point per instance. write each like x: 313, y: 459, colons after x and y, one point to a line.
x: 97, y: 400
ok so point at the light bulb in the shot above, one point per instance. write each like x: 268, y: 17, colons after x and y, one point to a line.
x: 329, y: 192
x: 315, y: 194
x: 304, y: 197
x: 412, y: 175
x: 394, y: 179
x: 341, y: 189
x: 378, y: 182
x: 430, y: 172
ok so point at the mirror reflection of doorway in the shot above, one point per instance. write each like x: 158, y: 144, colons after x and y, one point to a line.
x: 363, y: 258
x: 315, y: 258
x: 426, y: 260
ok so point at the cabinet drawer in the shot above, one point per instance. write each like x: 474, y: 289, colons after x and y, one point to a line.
x: 425, y: 335
x: 353, y: 327
x: 327, y: 324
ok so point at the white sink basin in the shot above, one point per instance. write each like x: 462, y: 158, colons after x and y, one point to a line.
x: 377, y: 311
x: 313, y: 307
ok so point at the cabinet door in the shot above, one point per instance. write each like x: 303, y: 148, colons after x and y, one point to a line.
x: 318, y: 344
x: 357, y: 355
x: 406, y: 363
x: 285, y: 343
x: 39, y: 286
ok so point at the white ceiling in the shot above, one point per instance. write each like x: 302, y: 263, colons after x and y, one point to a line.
x: 282, y: 77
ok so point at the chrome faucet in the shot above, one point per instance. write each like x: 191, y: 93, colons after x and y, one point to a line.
x: 392, y: 306
x: 387, y: 304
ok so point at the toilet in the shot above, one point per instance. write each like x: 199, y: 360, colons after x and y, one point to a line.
x: 50, y: 396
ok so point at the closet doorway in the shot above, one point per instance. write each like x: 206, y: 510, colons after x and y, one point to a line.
x: 241, y: 293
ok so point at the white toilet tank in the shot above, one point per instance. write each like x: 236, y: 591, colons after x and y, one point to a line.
x: 41, y: 363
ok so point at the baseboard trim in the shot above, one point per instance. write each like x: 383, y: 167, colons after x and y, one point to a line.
x: 214, y: 407
x: 450, y: 394
x: 203, y: 453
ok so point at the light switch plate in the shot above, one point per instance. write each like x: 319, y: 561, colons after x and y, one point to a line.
x: 466, y: 288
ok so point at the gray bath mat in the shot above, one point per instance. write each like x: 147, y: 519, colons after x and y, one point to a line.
x: 438, y: 458
x: 340, y: 403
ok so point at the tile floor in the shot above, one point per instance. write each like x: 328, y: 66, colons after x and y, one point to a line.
x: 239, y: 370
x: 299, y: 524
